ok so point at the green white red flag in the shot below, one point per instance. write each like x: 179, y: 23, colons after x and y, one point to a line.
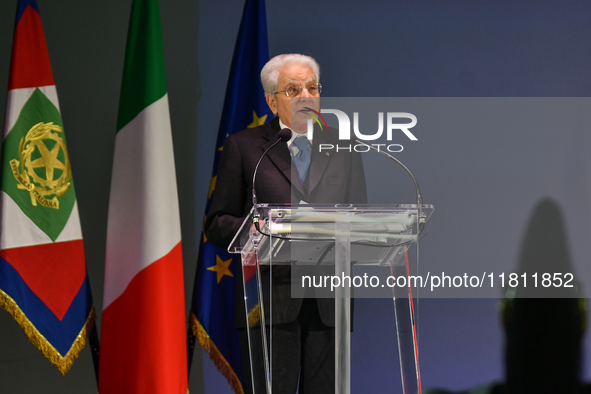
x: 143, y: 333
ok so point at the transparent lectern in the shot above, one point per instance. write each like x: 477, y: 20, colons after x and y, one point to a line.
x: 320, y: 241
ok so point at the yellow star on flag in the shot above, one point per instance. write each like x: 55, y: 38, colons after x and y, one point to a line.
x: 256, y: 121
x: 212, y: 185
x: 221, y: 148
x: 221, y: 267
x: 202, y: 231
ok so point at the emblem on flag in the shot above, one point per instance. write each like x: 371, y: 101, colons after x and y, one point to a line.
x: 34, y: 154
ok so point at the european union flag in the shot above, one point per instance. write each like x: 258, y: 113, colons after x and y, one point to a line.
x: 212, y: 312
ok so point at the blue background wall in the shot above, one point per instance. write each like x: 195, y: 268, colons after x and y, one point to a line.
x: 376, y: 48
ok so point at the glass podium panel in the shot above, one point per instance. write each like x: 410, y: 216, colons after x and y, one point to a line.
x: 323, y: 241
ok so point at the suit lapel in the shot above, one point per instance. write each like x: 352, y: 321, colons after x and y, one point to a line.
x: 319, y: 159
x: 279, y: 155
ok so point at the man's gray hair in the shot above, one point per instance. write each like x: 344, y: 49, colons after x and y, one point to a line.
x: 271, y: 70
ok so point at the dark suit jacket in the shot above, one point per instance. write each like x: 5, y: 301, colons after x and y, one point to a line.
x: 336, y: 177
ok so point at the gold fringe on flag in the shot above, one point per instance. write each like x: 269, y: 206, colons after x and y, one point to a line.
x: 63, y: 363
x: 216, y: 356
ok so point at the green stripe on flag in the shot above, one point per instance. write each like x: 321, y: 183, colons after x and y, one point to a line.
x: 144, y: 80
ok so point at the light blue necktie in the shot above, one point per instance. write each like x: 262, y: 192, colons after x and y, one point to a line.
x: 302, y: 159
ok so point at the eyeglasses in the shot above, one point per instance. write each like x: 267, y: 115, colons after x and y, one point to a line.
x: 295, y: 90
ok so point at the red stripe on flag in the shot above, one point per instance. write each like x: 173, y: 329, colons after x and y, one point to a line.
x: 143, y: 335
x: 29, y: 65
x: 54, y: 271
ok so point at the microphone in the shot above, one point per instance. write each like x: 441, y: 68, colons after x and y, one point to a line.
x: 283, y: 136
x: 422, y: 218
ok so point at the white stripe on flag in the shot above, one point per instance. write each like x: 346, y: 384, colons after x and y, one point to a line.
x: 18, y: 230
x: 144, y: 223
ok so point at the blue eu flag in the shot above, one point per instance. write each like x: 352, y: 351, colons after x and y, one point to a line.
x: 211, y: 319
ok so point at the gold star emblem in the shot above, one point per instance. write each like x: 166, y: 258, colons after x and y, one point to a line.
x: 221, y: 267
x: 256, y: 121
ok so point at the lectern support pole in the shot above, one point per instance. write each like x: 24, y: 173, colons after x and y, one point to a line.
x: 406, y: 332
x: 343, y: 306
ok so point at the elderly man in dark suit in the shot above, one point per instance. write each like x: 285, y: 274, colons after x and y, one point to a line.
x: 292, y: 172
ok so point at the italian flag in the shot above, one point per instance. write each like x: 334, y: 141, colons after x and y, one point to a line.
x: 43, y: 281
x: 143, y: 334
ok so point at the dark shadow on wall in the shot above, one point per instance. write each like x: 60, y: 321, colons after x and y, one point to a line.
x: 544, y: 325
